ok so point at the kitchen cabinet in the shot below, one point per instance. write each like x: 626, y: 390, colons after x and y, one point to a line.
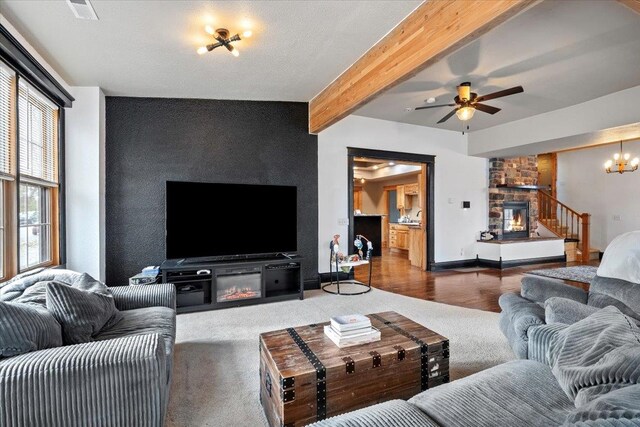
x: 411, y: 189
x: 416, y: 246
x: 398, y: 236
x: 402, y: 201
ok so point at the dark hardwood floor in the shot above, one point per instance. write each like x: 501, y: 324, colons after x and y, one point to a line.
x: 392, y: 272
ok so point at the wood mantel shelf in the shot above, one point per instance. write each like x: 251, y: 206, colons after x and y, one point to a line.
x: 525, y: 187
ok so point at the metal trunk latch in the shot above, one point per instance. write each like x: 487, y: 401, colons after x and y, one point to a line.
x: 267, y: 383
x: 400, y: 350
x: 349, y: 364
x: 377, y: 360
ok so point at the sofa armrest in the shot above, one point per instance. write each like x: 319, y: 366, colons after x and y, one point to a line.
x: 539, y: 289
x: 521, y: 313
x: 562, y: 310
x: 120, y: 381
x: 132, y: 297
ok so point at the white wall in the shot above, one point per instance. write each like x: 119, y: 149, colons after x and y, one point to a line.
x: 557, y: 130
x: 84, y: 162
x: 584, y: 186
x: 458, y: 177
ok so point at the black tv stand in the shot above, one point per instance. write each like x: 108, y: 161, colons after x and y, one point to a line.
x: 213, y: 284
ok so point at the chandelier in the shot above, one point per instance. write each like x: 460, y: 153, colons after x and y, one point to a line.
x: 621, y: 163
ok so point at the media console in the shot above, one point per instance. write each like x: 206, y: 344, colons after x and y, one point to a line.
x: 232, y: 283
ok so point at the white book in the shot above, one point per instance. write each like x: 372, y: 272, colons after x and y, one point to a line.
x: 350, y: 322
x: 370, y: 337
x: 352, y: 332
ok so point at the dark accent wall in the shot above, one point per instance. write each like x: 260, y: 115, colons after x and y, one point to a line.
x: 152, y: 140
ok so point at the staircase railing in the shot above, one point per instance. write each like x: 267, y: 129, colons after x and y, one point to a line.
x: 564, y: 221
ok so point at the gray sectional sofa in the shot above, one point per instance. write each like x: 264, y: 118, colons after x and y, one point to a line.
x: 121, y: 376
x: 571, y: 383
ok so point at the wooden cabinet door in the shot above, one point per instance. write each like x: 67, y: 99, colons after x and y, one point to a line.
x: 400, y: 197
x: 357, y: 200
x: 403, y: 240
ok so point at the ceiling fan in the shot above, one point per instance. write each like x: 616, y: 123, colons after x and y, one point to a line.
x: 468, y: 102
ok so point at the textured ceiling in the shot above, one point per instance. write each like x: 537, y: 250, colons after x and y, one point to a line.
x: 562, y: 53
x: 148, y: 48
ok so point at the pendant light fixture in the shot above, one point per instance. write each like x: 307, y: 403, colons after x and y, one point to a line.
x: 621, y: 163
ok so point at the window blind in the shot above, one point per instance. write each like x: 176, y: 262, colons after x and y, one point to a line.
x: 7, y: 82
x: 38, y: 135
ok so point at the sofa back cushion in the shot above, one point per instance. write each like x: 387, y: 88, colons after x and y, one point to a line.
x: 25, y: 328
x: 83, y: 310
x: 622, y: 294
x: 596, y: 355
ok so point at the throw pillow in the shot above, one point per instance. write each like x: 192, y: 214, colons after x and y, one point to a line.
x: 25, y: 328
x: 596, y: 355
x: 82, y: 313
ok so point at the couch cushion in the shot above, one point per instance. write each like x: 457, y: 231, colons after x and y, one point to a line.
x: 618, y: 405
x: 82, y: 313
x: 25, y: 328
x: 149, y: 320
x: 394, y: 413
x: 627, y: 293
x: 518, y: 393
x: 596, y: 355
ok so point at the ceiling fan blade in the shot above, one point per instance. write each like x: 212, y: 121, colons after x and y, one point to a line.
x: 486, y: 108
x: 434, y: 106
x: 448, y: 116
x: 500, y: 94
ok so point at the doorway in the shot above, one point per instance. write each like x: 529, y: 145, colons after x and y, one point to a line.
x: 399, y: 188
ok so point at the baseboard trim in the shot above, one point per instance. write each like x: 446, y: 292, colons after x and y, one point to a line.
x: 326, y: 277
x: 498, y: 264
x: 448, y: 265
x: 519, y: 262
x: 309, y: 284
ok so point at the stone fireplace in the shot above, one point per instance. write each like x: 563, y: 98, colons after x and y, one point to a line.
x: 513, y: 211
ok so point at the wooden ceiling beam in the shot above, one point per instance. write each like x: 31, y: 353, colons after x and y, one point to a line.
x: 632, y: 4
x: 433, y: 30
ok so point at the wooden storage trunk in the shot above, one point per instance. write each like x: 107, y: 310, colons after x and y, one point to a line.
x: 305, y: 377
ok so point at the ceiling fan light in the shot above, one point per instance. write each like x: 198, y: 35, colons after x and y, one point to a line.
x: 202, y: 50
x: 465, y: 113
x: 235, y: 52
x: 209, y: 29
x: 247, y: 33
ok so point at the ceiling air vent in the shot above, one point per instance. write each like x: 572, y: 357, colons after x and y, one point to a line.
x: 82, y: 9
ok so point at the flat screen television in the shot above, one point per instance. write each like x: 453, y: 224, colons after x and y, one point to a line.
x: 213, y: 220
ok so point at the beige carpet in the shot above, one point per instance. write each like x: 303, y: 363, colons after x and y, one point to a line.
x: 216, y: 380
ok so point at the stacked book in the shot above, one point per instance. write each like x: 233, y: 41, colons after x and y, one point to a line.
x: 354, y: 329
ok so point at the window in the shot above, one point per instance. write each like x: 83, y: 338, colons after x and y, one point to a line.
x: 29, y: 186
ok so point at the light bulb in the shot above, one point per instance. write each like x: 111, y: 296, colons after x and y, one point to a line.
x: 209, y: 29
x: 616, y: 156
x: 247, y: 33
x: 391, y: 163
x: 627, y: 156
x: 635, y: 161
x: 361, y: 180
x: 608, y: 164
x: 235, y: 52
x: 465, y: 113
x: 375, y: 167
x: 202, y: 50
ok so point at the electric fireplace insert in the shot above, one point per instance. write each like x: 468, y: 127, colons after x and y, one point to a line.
x: 515, y: 220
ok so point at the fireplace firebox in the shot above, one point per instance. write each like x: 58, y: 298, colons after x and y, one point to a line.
x: 238, y: 283
x: 515, y: 220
